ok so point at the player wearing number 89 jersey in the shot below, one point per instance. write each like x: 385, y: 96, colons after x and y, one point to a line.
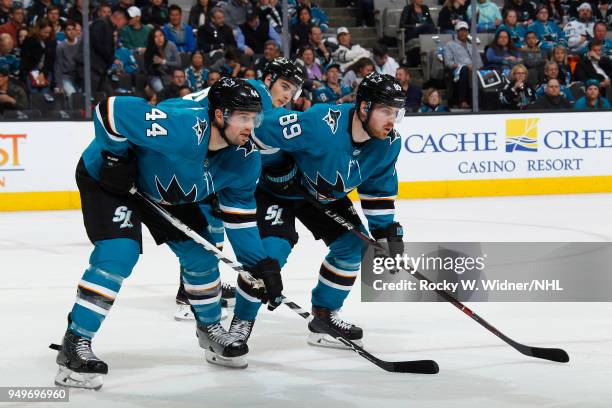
x: 177, y: 153
x: 336, y: 149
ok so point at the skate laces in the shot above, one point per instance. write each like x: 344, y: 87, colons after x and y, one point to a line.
x: 83, y: 349
x: 218, y: 333
x: 337, y: 321
x: 243, y: 327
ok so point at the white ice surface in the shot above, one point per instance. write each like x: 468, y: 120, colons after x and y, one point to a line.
x: 155, y: 361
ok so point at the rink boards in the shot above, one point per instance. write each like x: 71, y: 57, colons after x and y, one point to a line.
x: 441, y: 156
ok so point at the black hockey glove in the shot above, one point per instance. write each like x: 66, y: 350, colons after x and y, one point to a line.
x: 391, y: 238
x: 118, y: 174
x: 283, y: 180
x: 268, y: 270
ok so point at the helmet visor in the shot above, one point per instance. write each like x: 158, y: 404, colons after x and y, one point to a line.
x: 386, y: 113
x: 244, y: 119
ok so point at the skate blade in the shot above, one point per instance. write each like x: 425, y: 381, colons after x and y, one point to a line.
x: 183, y: 314
x: 67, y: 378
x: 230, y: 362
x: 327, y: 341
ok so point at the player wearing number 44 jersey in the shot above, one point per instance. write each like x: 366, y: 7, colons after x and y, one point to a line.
x: 281, y: 82
x: 335, y: 149
x: 177, y: 153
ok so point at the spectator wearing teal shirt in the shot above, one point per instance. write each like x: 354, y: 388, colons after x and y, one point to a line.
x: 548, y: 32
x: 517, y: 32
x: 487, y: 15
x: 333, y: 91
x: 196, y: 74
x: 592, y: 98
x: 431, y: 102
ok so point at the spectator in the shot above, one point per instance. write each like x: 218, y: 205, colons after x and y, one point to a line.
x: 552, y: 99
x: 123, y: 5
x: 312, y: 67
x: 250, y: 73
x: 414, y: 94
x: 134, y: 35
x: 315, y: 39
x: 431, y: 102
x: 348, y: 53
x: 12, y: 96
x: 15, y: 22
x: 592, y: 98
x: 574, y: 8
x: 22, y: 35
x: 179, y: 33
x: 359, y: 70
x: 578, y: 31
x: 66, y: 62
x: 502, y: 53
x: 517, y: 94
x: 384, y: 63
x: 230, y: 65
x: 416, y: 19
x: 548, y: 32
x: 155, y: 13
x: 555, y: 11
x: 599, y: 34
x: 300, y: 30
x: 37, y: 10
x: 333, y: 91
x: 268, y: 12
x: 271, y: 51
x: 487, y: 16
x: 317, y: 16
x: 196, y: 74
x: 37, y: 58
x: 8, y: 59
x: 75, y: 12
x: 251, y: 36
x: 551, y: 71
x: 53, y: 15
x: 104, y: 10
x: 559, y: 55
x: 102, y: 43
x: 215, y: 35
x: 589, y: 67
x: 525, y: 11
x: 451, y: 13
x: 161, y: 58
x: 125, y: 63
x: 532, y: 55
x: 458, y: 59
x: 173, y: 89
x: 236, y: 12
x: 517, y: 31
x: 213, y: 76
x: 5, y: 10
x: 150, y: 95
x: 198, y: 15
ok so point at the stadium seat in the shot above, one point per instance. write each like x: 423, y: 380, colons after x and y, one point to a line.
x: 38, y: 101
x: 22, y: 114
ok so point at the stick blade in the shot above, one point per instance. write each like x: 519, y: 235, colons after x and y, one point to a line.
x: 415, y: 367
x: 552, y: 354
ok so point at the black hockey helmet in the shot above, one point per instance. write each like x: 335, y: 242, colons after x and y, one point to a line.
x: 283, y: 68
x: 229, y: 94
x: 380, y: 89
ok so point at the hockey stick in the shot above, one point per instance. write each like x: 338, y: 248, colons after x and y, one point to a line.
x: 553, y: 354
x: 410, y: 366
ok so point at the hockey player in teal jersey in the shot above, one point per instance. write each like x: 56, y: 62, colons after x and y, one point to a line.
x: 281, y: 83
x: 177, y: 153
x: 335, y: 149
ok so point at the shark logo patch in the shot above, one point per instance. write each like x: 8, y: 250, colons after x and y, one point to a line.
x: 199, y: 129
x: 332, y: 119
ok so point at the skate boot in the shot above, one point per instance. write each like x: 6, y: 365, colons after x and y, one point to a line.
x: 78, y: 365
x: 241, y: 329
x: 329, y: 318
x: 222, y: 348
x: 228, y: 295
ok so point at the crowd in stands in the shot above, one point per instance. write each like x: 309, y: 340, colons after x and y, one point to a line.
x: 551, y: 55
